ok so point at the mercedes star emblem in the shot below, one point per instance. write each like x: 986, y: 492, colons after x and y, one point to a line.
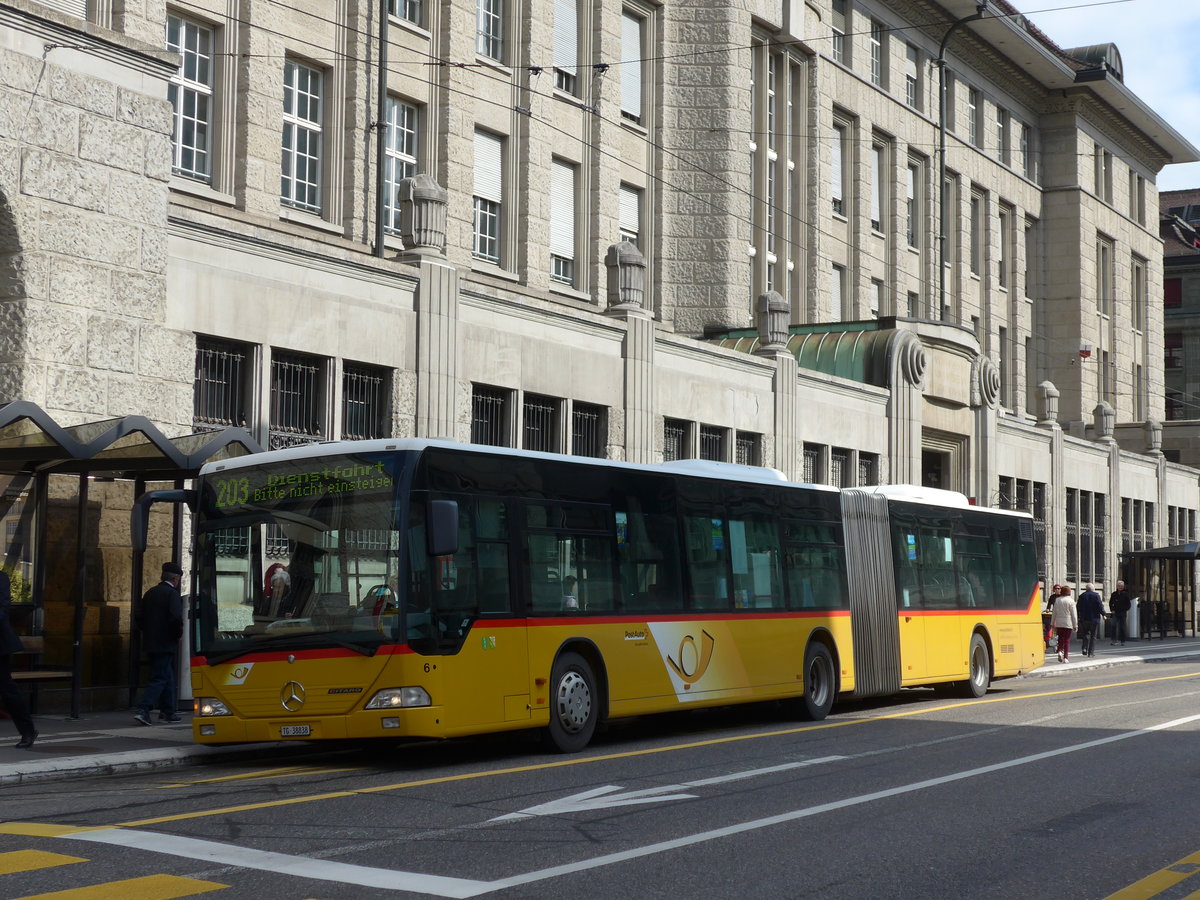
x: 291, y: 696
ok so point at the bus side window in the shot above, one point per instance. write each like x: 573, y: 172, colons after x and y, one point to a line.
x: 648, y: 553
x: 708, y: 562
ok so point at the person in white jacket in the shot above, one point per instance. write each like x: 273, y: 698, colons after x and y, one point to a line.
x: 1064, y: 620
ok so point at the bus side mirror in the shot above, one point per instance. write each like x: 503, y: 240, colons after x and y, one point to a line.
x: 441, y: 527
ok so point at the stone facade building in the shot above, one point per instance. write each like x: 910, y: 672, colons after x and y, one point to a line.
x: 1180, y: 212
x: 626, y: 229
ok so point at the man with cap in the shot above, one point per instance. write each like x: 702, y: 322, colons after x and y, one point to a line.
x: 159, y: 618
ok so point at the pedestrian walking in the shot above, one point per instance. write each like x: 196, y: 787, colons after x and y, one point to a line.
x: 1091, y: 615
x: 160, y: 620
x: 1065, y: 620
x: 1118, y: 606
x: 10, y: 694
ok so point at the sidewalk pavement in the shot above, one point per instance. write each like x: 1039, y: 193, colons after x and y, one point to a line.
x: 109, y: 742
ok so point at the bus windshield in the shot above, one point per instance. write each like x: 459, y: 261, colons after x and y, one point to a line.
x: 298, y: 553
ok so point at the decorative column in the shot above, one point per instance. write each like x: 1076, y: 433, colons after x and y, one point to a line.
x: 626, y: 301
x: 985, y: 401
x: 906, y: 379
x: 773, y: 314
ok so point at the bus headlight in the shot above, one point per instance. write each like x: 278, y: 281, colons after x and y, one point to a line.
x: 211, y: 706
x: 396, y: 698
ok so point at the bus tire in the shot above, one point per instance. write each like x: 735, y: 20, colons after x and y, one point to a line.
x: 979, y: 669
x: 820, y: 683
x: 573, y: 709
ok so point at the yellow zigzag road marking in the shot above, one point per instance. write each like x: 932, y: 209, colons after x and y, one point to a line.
x: 151, y: 887
x: 32, y: 860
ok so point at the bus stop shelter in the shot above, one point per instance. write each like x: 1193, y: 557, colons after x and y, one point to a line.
x: 1165, y: 580
x: 34, y: 447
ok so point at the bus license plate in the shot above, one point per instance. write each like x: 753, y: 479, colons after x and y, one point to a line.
x: 295, y: 730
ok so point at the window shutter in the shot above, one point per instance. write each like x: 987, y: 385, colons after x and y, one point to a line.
x: 489, y: 184
x: 566, y: 36
x: 631, y: 66
x: 562, y: 209
x: 628, y: 212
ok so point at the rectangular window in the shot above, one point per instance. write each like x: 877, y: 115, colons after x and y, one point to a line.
x: 220, y: 390
x: 400, y: 156
x: 488, y: 197
x: 839, y: 467
x: 839, y: 28
x: 976, y: 235
x: 878, y: 186
x: 364, y: 402
x: 868, y: 469
x: 712, y: 443
x: 949, y: 99
x: 837, y: 176
x: 812, y: 463
x: 489, y: 29
x: 914, y: 305
x: 1003, y: 125
x: 1140, y: 297
x: 629, y: 214
x: 1002, y: 247
x: 1172, y: 293
x: 974, y: 108
x: 539, y: 423
x: 1102, y: 163
x: 566, y: 46
x: 1027, y: 163
x: 632, y: 53
x: 300, y: 177
x: 406, y: 9
x: 1137, y: 197
x: 747, y: 449
x: 879, y: 292
x: 191, y: 95
x: 562, y: 222
x: 912, y: 77
x: 1173, y: 350
x: 1005, y: 367
x: 676, y: 443
x: 913, y: 206
x: 297, y: 399
x: 837, y: 287
x: 588, y: 430
x: 878, y: 43
x: 489, y: 416
x: 1104, y: 275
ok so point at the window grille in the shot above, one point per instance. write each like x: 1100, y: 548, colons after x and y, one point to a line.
x: 231, y: 542
x: 745, y: 449
x: 868, y: 469
x: 675, y: 440
x: 712, y: 443
x: 219, y: 391
x: 812, y: 463
x: 489, y: 408
x: 839, y: 467
x: 296, y: 400
x: 364, y: 403
x: 540, y: 423
x: 588, y: 436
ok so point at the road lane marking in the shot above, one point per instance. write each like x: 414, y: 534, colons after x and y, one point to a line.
x: 265, y: 774
x: 630, y: 754
x: 150, y: 887
x: 32, y: 860
x: 285, y: 864
x: 448, y: 886
x: 1162, y: 880
x: 604, y: 798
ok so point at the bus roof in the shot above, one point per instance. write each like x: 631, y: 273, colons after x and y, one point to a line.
x: 696, y: 467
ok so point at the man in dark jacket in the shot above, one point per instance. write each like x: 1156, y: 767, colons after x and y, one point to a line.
x: 1091, y: 614
x: 10, y: 694
x: 160, y: 620
x: 1118, y: 605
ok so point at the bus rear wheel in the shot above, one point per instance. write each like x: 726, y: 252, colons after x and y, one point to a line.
x: 820, y: 683
x: 573, y: 711
x: 979, y: 669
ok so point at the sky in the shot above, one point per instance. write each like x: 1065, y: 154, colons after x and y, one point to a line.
x: 1159, y: 42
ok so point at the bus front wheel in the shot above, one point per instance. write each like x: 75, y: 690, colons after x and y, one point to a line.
x: 819, y: 683
x: 573, y: 710
x: 979, y: 669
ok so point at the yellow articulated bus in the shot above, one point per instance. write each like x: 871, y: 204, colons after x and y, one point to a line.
x: 422, y: 588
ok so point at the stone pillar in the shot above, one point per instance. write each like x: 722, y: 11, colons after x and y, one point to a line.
x: 1104, y: 420
x: 1154, y: 437
x: 985, y: 401
x: 772, y: 315
x: 1047, y: 405
x: 436, y: 307
x: 908, y: 363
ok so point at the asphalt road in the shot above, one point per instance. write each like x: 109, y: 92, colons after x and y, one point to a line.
x: 1081, y: 786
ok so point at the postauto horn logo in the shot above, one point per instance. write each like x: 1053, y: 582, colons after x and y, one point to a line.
x: 691, y: 662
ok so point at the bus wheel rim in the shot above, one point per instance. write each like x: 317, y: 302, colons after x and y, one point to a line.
x: 818, y: 684
x: 574, y: 702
